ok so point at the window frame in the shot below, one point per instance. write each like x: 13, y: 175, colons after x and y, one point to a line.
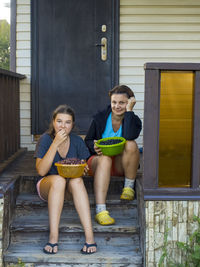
x: 151, y: 134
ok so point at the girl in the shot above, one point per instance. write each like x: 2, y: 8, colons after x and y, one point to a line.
x: 54, y: 145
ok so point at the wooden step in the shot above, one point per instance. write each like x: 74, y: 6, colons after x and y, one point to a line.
x: 69, y: 212
x: 39, y: 223
x: 118, y: 245
x: 69, y: 255
x: 28, y: 184
x: 31, y: 200
x: 114, y: 239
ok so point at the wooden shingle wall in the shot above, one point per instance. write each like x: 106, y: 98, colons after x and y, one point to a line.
x: 150, y: 31
x: 177, y: 217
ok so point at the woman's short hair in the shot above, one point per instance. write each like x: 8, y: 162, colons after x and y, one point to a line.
x: 62, y: 109
x: 121, y: 89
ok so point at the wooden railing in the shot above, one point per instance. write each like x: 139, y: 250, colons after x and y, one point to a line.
x: 9, y: 113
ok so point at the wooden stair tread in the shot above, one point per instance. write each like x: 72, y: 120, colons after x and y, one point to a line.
x: 28, y: 199
x: 35, y: 224
x: 40, y: 238
x: 70, y: 212
x: 70, y: 253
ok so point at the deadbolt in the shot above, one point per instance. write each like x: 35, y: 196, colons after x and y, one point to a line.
x: 103, y: 28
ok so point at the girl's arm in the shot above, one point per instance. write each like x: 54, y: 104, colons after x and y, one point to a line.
x: 44, y: 164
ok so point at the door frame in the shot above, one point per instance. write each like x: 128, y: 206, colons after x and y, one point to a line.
x: 34, y: 57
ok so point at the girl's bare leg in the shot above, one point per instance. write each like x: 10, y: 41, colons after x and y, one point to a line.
x: 77, y: 188
x: 52, y: 188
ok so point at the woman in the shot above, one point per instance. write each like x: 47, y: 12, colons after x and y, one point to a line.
x: 117, y: 120
x: 54, y: 145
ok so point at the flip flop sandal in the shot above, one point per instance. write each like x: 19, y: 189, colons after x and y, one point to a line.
x: 88, y: 246
x: 51, y: 245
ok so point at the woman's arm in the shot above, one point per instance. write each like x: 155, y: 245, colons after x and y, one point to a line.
x: 44, y: 164
x: 132, y: 126
x: 90, y: 137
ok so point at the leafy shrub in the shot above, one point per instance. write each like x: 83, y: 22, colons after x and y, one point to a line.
x: 189, y: 250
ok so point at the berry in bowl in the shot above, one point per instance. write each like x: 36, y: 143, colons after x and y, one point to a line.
x: 111, y: 146
x: 71, y: 167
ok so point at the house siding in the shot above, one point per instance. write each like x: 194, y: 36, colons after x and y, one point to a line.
x: 23, y: 65
x: 150, y: 31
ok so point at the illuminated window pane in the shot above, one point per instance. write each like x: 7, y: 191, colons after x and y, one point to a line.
x: 176, y: 123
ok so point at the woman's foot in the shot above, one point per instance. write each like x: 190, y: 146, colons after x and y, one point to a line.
x: 104, y: 218
x: 127, y: 194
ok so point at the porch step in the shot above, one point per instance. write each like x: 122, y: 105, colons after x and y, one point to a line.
x: 28, y: 184
x: 69, y: 255
x: 30, y: 200
x: 118, y: 245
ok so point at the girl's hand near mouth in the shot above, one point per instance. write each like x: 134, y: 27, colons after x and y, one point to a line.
x: 60, y: 137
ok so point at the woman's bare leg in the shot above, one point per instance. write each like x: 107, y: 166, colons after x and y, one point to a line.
x: 101, y: 166
x: 130, y: 159
x: 128, y: 162
x: 52, y: 188
x: 77, y: 188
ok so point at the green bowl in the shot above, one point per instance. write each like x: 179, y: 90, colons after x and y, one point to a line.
x: 111, y: 150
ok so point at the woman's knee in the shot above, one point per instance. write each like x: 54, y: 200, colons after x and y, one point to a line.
x: 131, y: 147
x: 105, y: 161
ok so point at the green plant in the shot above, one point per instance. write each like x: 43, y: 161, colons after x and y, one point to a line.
x: 4, y: 44
x: 165, y: 259
x: 18, y: 264
x: 190, y: 250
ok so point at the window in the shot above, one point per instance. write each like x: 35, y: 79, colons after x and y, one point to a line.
x: 175, y: 129
x: 171, y: 154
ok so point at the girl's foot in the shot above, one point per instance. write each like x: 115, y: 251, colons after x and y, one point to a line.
x: 89, y: 248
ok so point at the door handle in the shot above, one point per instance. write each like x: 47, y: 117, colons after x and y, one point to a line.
x: 103, y: 46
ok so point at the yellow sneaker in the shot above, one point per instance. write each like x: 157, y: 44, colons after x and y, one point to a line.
x: 104, y: 218
x: 127, y: 194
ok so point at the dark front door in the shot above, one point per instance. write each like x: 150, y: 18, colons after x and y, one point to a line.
x: 74, y: 58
